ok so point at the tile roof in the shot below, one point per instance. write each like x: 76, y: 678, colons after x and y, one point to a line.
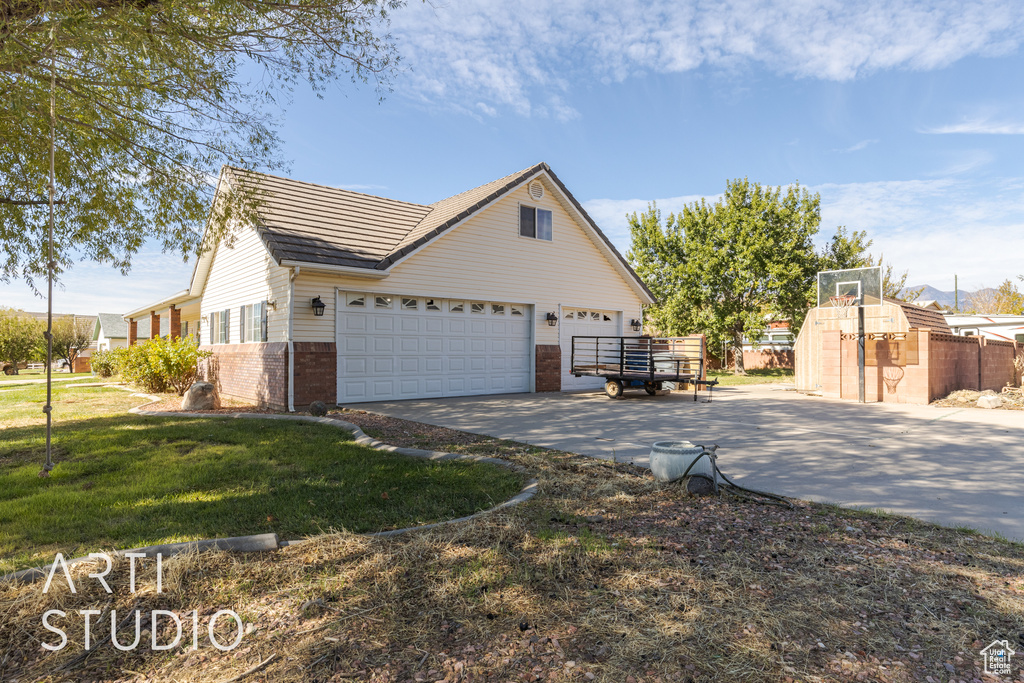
x: 922, y: 317
x: 318, y: 224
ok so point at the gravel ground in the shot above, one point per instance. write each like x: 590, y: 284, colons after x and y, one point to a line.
x: 1013, y: 399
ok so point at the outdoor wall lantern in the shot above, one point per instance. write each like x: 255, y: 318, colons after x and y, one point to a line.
x: 552, y: 319
x: 636, y: 325
x: 318, y: 307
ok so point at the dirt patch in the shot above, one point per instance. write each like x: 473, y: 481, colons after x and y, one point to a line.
x: 227, y: 405
x: 606, y: 575
x: 1013, y: 399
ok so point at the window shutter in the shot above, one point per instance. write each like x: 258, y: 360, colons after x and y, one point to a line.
x: 241, y: 325
x: 225, y: 325
x: 263, y: 322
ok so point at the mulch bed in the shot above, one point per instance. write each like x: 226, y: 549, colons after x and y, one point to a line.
x: 606, y: 575
x: 173, y: 404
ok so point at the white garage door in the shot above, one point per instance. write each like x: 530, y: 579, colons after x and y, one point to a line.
x: 584, y: 322
x: 399, y: 347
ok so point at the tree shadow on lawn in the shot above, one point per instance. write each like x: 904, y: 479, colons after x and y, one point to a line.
x: 127, y: 482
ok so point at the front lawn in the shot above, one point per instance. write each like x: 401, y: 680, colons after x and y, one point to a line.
x: 767, y: 376
x: 24, y: 375
x: 123, y: 481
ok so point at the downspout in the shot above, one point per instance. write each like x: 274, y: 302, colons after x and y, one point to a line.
x: 291, y: 339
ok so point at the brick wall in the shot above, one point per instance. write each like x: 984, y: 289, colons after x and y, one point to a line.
x: 250, y: 372
x: 316, y: 373
x: 764, y: 359
x: 548, y: 367
x: 82, y: 364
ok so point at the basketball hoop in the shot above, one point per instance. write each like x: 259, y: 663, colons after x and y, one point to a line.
x: 842, y: 304
x: 891, y: 375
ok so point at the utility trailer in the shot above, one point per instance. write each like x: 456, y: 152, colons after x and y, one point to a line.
x: 646, y: 362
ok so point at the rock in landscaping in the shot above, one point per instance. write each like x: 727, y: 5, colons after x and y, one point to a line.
x: 318, y: 409
x: 201, y: 396
x: 990, y: 401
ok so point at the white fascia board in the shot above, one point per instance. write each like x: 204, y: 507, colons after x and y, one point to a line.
x: 181, y: 297
x: 368, y: 273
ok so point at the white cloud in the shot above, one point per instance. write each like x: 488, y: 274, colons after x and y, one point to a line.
x: 857, y: 147
x: 983, y: 126
x: 516, y: 57
x: 934, y: 228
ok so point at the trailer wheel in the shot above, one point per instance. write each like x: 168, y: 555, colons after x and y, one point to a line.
x: 613, y: 388
x: 652, y: 387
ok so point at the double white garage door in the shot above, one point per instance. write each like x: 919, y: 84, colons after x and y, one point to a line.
x: 394, y: 347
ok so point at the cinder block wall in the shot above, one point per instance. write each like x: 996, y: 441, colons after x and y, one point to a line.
x: 947, y: 363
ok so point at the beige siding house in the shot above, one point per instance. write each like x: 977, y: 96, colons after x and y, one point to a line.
x: 345, y: 297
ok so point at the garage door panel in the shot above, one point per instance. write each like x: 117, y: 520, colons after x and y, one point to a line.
x: 589, y: 328
x: 401, y: 353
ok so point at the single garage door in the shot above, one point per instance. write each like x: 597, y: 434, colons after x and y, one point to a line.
x: 584, y: 322
x: 400, y: 347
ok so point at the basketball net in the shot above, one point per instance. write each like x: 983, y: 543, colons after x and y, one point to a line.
x: 892, y: 375
x: 843, y: 304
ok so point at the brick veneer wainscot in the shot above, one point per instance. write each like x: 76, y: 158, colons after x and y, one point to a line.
x: 548, y: 375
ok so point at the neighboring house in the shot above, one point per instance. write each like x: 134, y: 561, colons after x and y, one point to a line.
x: 931, y: 304
x: 111, y: 331
x: 996, y: 326
x: 346, y: 297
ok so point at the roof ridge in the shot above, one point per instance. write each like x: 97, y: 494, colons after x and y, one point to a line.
x: 327, y: 187
x: 541, y: 164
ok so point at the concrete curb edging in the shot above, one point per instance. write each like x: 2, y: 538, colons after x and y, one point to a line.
x: 269, y: 542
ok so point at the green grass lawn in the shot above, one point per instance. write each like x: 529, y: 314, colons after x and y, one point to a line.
x: 24, y: 375
x: 728, y: 379
x: 123, y: 481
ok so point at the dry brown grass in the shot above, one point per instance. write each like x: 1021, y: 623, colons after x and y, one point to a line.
x: 655, y: 586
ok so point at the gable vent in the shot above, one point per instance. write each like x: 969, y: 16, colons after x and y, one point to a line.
x: 536, y: 190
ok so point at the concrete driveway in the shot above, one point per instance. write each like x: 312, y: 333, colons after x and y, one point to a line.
x: 955, y: 466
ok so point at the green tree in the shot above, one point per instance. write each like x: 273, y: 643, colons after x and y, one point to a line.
x: 727, y: 269
x: 152, y: 97
x: 19, y: 335
x: 845, y: 251
x: 71, y: 336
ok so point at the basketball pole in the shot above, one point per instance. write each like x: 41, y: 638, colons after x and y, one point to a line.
x: 860, y: 354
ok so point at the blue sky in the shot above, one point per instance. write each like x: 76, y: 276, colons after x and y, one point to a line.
x: 907, y: 118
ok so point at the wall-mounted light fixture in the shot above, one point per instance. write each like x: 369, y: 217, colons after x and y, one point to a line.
x: 318, y: 307
x: 636, y: 325
x: 272, y: 305
x: 552, y: 319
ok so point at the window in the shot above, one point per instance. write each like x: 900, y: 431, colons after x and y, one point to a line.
x: 219, y: 326
x: 606, y: 319
x: 476, y: 307
x: 1019, y: 338
x: 581, y: 315
x: 184, y: 328
x: 456, y: 307
x: 432, y: 305
x: 497, y: 309
x: 569, y: 314
x: 254, y: 322
x: 382, y: 302
x: 517, y: 310
x: 535, y: 223
x: 410, y: 304
x: 594, y: 315
x: 356, y: 300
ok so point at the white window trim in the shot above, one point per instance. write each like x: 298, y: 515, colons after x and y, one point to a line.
x: 519, y: 218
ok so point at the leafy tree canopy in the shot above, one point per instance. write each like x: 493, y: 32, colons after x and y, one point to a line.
x: 20, y: 334
x: 727, y: 269
x: 151, y: 98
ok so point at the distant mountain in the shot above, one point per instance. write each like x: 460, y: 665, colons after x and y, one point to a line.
x: 944, y: 298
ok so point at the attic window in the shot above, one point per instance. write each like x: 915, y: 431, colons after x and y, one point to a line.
x: 534, y: 223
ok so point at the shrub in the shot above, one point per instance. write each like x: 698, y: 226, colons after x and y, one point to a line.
x: 102, y: 363
x: 157, y: 364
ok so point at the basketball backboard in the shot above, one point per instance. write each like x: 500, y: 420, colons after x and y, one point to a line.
x: 836, y: 286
